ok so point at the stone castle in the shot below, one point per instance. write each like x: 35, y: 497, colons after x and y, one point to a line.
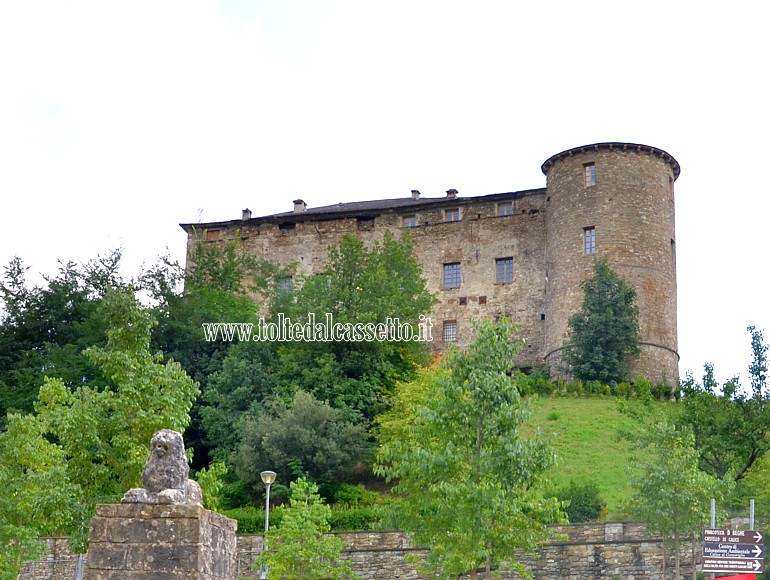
x: 521, y: 254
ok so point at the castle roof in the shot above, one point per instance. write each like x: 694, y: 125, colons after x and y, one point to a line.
x: 368, y: 208
x: 667, y: 157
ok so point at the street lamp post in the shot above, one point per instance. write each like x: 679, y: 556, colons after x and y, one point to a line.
x: 268, y: 477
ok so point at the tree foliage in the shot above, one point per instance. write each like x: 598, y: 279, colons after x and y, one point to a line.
x: 731, y: 425
x: 468, y: 479
x: 45, y: 329
x: 604, y: 333
x: 672, y: 496
x: 307, y: 437
x: 300, y: 547
x: 583, y: 501
x: 219, y: 284
x: 360, y: 285
x: 93, y: 440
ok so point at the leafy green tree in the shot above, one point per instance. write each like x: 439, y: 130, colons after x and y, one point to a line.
x: 604, y: 333
x: 300, y: 547
x: 468, y: 479
x: 672, y: 496
x: 36, y: 495
x: 731, y: 426
x: 309, y: 437
x: 211, y: 481
x: 359, y: 286
x: 46, y: 328
x: 219, y: 284
x: 247, y: 379
x: 99, y: 436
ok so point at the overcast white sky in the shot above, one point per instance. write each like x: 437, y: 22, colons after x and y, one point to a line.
x: 119, y: 120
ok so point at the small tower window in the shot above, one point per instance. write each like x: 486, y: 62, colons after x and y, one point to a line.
x: 504, y: 270
x: 409, y: 221
x: 452, y: 215
x: 505, y: 208
x: 589, y: 241
x: 452, y: 275
x: 589, y: 174
x: 450, y: 331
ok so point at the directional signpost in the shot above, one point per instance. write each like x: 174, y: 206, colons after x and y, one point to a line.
x: 733, y: 551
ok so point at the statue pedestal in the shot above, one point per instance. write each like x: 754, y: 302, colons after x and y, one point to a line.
x: 168, y: 542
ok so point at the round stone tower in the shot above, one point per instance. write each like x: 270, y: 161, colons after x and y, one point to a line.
x: 613, y: 201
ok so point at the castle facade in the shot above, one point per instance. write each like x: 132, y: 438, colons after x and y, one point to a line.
x: 522, y: 254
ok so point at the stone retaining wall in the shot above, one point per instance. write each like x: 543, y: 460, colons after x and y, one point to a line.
x: 612, y: 551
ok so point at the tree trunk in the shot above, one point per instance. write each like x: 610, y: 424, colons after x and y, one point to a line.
x: 694, y: 557
x: 488, y: 573
x: 678, y: 572
x: 665, y: 560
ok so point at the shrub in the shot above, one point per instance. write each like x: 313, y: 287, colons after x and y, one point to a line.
x: 252, y: 520
x: 585, y: 502
x: 356, y: 496
x: 347, y: 519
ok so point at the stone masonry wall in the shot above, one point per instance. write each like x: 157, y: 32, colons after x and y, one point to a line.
x: 154, y: 541
x: 611, y: 551
x: 631, y: 208
x: 475, y: 242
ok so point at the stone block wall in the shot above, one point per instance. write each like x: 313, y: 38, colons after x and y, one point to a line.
x: 172, y: 542
x: 57, y: 563
x: 611, y: 551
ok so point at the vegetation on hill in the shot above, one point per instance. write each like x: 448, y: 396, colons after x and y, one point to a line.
x: 78, y: 375
x: 604, y: 333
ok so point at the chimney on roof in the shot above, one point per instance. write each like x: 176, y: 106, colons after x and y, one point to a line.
x: 415, y: 194
x: 451, y: 193
x: 246, y: 214
x: 299, y: 206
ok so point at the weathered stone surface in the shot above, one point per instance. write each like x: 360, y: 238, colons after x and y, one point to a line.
x: 165, y: 474
x: 585, y: 555
x: 161, y: 541
x: 631, y: 207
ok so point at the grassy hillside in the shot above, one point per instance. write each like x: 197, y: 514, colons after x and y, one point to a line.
x: 586, y: 436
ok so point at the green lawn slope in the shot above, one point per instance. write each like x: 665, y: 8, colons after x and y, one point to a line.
x: 589, y: 448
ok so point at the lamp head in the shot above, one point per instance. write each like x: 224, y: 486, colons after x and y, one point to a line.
x: 268, y: 477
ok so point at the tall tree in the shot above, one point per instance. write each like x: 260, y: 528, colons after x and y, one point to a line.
x: 672, y: 495
x: 731, y: 424
x: 604, y: 333
x: 218, y: 285
x: 46, y: 328
x: 468, y: 479
x: 93, y: 440
x: 360, y: 286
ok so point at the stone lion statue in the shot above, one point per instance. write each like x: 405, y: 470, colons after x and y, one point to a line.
x: 165, y: 474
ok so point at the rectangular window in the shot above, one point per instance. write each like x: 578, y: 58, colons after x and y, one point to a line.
x: 450, y: 331
x: 212, y: 235
x: 452, y: 275
x: 589, y: 174
x: 589, y: 241
x: 504, y: 270
x: 452, y: 215
x: 505, y: 208
x: 409, y: 221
